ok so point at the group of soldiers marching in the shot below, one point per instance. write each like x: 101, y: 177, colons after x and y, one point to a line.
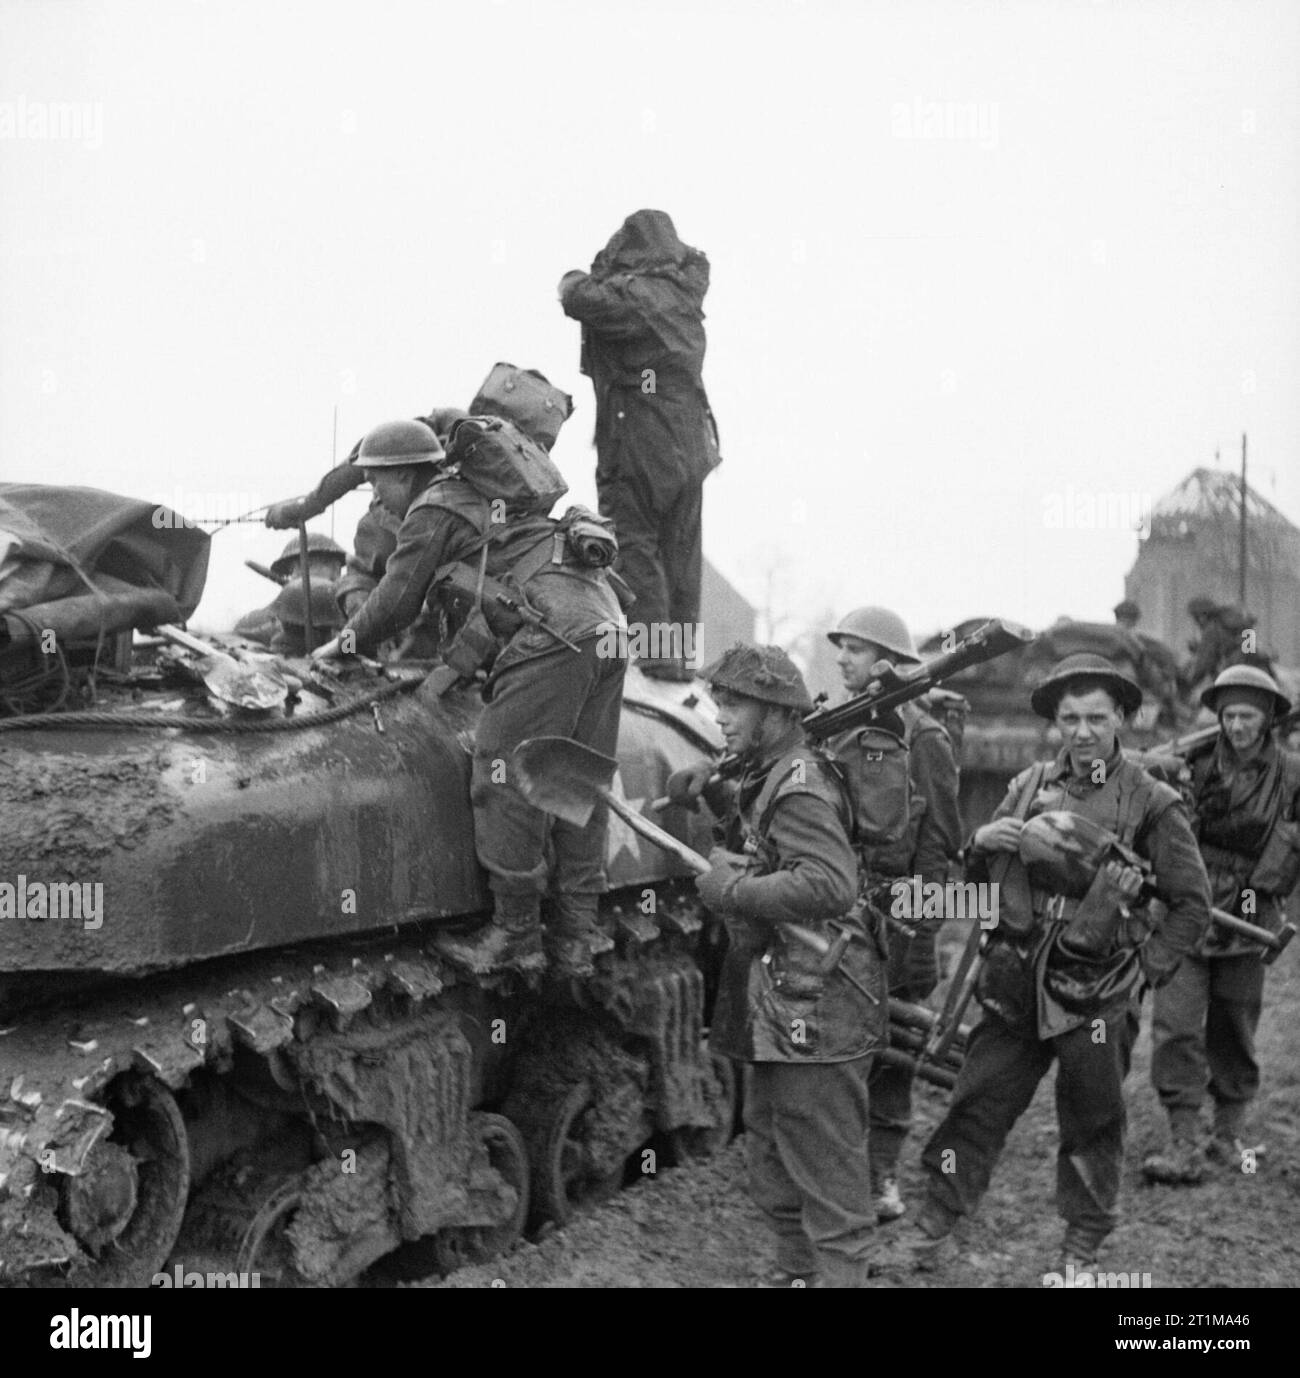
x: 813, y: 839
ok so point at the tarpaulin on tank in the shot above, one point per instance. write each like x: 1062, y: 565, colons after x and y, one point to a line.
x: 116, y: 562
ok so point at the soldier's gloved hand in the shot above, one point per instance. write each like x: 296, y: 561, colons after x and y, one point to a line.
x: 328, y: 651
x: 685, y: 785
x: 280, y: 516
x: 717, y: 886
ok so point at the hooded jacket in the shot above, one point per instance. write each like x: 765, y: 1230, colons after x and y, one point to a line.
x: 642, y: 314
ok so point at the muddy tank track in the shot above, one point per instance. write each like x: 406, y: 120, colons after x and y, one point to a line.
x: 467, y: 1107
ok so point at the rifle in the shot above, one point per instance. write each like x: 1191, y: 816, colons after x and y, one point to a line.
x: 893, y: 687
x: 1189, y: 744
x: 266, y: 573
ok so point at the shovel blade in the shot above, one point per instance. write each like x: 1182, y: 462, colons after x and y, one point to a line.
x: 562, y: 777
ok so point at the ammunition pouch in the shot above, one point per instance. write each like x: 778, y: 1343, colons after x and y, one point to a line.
x: 1087, y: 985
x: 472, y: 648
x: 1278, y: 868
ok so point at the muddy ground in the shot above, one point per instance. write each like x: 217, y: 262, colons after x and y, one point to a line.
x: 695, y: 1227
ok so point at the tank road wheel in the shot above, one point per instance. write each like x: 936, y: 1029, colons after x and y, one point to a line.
x: 688, y: 1143
x: 500, y: 1146
x: 126, y: 1206
x: 266, y: 1248
x: 569, y: 1171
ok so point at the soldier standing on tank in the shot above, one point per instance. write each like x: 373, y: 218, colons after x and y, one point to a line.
x: 536, y: 686
x: 806, y: 1034
x: 1060, y: 971
x: 864, y: 638
x: 1245, y: 792
x: 642, y: 314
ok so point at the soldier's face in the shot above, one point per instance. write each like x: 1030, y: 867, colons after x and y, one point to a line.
x: 391, y: 489
x: 1088, y: 724
x: 743, y: 721
x: 856, y: 658
x: 1243, y: 725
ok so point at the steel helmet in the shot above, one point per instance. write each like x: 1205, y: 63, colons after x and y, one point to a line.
x: 1127, y: 608
x: 440, y: 420
x: 765, y: 673
x: 1252, y: 685
x: 399, y: 442
x: 317, y: 544
x: 1049, y: 692
x: 1063, y: 851
x: 881, y: 627
x: 290, y: 605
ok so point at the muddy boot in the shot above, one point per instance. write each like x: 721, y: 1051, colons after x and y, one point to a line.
x: 1180, y: 1164
x: 921, y: 1247
x: 512, y: 941
x: 574, y: 936
x: 1080, y: 1247
x: 1228, y: 1143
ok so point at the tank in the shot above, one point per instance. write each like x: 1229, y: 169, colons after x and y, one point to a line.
x: 223, y: 1028
x: 1002, y: 734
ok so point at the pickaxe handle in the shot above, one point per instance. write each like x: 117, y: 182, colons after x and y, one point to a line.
x: 639, y: 823
x: 1275, y: 942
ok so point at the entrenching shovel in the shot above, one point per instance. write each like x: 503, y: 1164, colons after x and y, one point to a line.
x: 242, y: 686
x: 565, y: 778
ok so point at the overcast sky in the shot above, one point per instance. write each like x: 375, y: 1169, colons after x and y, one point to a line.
x: 982, y: 273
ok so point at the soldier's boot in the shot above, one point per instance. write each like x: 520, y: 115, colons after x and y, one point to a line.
x: 920, y: 1247
x: 1228, y: 1144
x: 511, y: 941
x: 888, y: 1199
x: 1080, y: 1247
x: 574, y: 936
x: 1181, y: 1162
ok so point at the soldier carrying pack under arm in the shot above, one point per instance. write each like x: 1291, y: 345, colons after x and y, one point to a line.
x: 1063, y: 965
x: 806, y: 1033
x: 1245, y: 792
x: 932, y: 839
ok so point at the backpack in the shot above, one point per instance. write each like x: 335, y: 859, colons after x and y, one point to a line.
x: 527, y: 399
x: 501, y: 463
x: 872, y: 765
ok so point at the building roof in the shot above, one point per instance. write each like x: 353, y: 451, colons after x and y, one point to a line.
x: 1214, y: 496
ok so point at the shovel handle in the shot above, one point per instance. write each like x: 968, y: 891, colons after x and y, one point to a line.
x: 191, y: 643
x: 654, y: 833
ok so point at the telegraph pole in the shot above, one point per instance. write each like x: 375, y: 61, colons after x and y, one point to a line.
x: 1241, y: 554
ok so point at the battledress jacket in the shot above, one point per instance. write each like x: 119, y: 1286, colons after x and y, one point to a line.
x: 1023, y: 975
x: 774, y: 1004
x: 445, y: 524
x: 1237, y: 806
x: 642, y: 313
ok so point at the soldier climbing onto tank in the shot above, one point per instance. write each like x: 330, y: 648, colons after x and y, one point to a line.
x: 1062, y: 966
x: 932, y: 840
x: 642, y: 314
x: 807, y: 1033
x: 547, y: 676
x: 522, y: 396
x: 1245, y: 792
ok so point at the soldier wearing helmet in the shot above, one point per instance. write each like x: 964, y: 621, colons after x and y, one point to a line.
x: 1245, y: 791
x: 536, y: 685
x: 1048, y: 996
x: 325, y: 561
x: 932, y: 840
x: 806, y: 1032
x: 290, y: 612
